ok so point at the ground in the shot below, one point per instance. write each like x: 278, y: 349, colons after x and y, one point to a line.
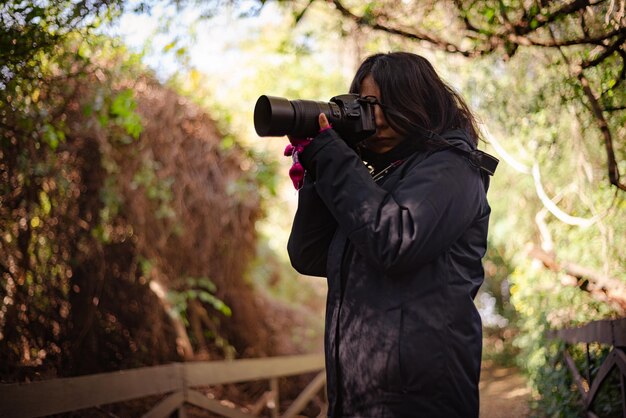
x: 503, y: 393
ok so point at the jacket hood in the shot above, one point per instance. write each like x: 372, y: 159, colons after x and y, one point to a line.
x: 459, y: 138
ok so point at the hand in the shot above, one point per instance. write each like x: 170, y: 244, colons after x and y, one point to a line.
x: 324, y: 124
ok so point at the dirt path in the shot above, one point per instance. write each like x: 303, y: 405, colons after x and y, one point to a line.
x: 503, y: 393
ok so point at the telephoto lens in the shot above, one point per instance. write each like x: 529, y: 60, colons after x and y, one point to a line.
x: 277, y: 116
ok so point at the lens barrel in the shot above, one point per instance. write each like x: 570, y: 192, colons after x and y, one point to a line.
x: 273, y: 116
x: 277, y: 116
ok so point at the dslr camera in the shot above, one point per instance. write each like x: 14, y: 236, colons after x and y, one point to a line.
x: 350, y: 115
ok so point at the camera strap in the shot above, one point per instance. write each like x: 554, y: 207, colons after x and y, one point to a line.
x: 480, y: 159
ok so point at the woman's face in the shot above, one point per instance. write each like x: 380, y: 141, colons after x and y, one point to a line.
x: 385, y: 137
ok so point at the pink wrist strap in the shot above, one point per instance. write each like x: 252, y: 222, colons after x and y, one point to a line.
x: 293, y: 149
x: 296, y: 172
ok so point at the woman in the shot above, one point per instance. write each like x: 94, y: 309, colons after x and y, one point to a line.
x: 400, y: 239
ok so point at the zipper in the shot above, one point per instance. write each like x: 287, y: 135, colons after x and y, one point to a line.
x: 386, y: 170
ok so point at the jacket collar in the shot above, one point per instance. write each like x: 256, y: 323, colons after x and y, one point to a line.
x: 400, y: 152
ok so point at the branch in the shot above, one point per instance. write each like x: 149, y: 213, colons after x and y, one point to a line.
x: 523, y: 27
x: 614, y: 175
x: 554, y: 209
x: 548, y: 203
x: 612, y: 288
x: 607, y: 53
x: 547, y: 243
x: 183, y: 343
x: 556, y: 44
x: 514, y: 34
x: 596, y: 110
x: 469, y: 25
x: 505, y: 19
x: 583, y: 23
x: 418, y: 36
x: 301, y: 13
x: 622, y: 77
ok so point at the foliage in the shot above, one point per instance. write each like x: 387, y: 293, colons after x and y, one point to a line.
x: 32, y: 32
x: 542, y: 306
x: 56, y: 234
x: 42, y: 196
x: 197, y: 288
x: 78, y: 160
x: 530, y: 120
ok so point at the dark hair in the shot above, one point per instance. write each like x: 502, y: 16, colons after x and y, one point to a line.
x: 409, y: 84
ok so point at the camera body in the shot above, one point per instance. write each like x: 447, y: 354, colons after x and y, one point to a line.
x: 350, y: 115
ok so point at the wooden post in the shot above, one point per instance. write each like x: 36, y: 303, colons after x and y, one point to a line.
x: 623, y: 385
x: 305, y: 397
x: 588, y: 365
x: 276, y: 397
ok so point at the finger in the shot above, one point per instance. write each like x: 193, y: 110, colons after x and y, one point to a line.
x: 323, y: 122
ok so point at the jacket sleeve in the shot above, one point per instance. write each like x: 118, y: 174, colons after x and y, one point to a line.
x: 427, y: 211
x: 311, y: 233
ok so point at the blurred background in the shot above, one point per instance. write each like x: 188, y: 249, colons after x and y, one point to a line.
x: 142, y: 220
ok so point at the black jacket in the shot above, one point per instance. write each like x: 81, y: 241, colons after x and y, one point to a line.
x: 403, y: 261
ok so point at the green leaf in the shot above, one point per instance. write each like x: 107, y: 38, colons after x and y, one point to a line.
x: 44, y: 200
x: 123, y: 104
x: 123, y: 108
x: 169, y: 46
x: 52, y: 136
x: 490, y: 14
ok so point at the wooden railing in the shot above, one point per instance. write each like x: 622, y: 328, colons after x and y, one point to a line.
x: 177, y: 380
x: 610, y: 333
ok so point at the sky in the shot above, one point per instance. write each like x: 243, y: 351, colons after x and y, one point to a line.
x: 212, y: 45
